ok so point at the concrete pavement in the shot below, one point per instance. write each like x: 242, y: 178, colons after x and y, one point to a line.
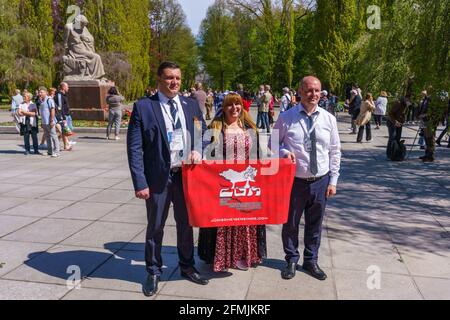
x: 386, y: 234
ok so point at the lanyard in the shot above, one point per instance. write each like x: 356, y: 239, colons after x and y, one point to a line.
x: 172, y: 120
x: 308, y: 132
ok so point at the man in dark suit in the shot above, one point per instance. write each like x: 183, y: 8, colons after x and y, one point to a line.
x: 161, y: 136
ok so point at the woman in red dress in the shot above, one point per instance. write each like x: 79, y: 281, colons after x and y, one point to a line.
x: 237, y: 247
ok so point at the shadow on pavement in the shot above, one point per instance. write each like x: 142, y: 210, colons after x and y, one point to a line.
x: 118, y: 264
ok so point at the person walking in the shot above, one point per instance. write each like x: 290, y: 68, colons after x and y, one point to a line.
x: 48, y: 119
x: 380, y: 109
x: 364, y: 117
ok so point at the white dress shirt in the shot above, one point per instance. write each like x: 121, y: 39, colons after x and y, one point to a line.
x: 175, y: 159
x: 292, y: 127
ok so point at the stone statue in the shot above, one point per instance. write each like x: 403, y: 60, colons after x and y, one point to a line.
x: 80, y: 60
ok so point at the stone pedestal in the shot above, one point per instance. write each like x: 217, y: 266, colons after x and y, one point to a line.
x: 87, y: 99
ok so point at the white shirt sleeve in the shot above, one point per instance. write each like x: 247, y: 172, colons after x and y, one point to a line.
x: 335, y: 153
x: 281, y: 128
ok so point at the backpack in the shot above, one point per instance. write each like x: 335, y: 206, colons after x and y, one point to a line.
x: 290, y: 104
x: 396, y: 150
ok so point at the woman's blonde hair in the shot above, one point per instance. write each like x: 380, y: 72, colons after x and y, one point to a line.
x: 218, y: 124
x: 369, y: 96
x: 383, y: 94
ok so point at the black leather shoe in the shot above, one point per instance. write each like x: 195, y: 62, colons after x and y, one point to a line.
x: 314, y: 270
x: 195, y: 277
x: 150, y: 286
x: 289, y: 271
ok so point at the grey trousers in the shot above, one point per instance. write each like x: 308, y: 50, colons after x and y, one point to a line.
x: 115, y: 117
x: 52, y: 139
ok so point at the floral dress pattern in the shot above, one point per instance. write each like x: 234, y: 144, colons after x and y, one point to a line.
x: 244, y: 244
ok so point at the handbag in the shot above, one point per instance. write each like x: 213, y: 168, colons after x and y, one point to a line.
x: 25, y: 127
x: 22, y: 129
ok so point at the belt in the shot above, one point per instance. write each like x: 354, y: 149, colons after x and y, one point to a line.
x: 312, y: 179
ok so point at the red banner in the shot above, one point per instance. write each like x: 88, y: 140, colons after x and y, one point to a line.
x: 224, y: 194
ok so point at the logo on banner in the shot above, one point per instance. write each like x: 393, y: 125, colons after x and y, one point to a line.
x: 241, y: 190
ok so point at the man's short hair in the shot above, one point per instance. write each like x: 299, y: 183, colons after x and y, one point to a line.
x: 42, y: 88
x: 303, y: 82
x: 62, y: 84
x: 166, y: 65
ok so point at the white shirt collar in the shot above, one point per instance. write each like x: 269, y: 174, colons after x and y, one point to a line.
x: 302, y: 108
x: 165, y: 100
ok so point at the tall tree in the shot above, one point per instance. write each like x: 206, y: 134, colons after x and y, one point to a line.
x: 26, y: 44
x: 219, y: 45
x: 172, y: 39
x: 335, y: 29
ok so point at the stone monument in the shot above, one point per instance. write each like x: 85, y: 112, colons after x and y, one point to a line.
x: 84, y: 73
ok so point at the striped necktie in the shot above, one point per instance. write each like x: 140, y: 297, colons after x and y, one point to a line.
x: 174, y: 114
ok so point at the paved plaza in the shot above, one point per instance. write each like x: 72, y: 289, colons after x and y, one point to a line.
x: 386, y: 235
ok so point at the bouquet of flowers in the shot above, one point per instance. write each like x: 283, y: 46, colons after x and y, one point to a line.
x: 126, y: 116
x: 68, y: 132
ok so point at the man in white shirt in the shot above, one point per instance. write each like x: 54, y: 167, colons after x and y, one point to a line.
x: 285, y: 100
x: 308, y: 135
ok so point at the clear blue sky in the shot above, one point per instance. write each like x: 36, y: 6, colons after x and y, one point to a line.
x: 195, y: 11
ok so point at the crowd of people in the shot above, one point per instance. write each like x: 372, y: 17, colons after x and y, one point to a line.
x: 49, y: 110
x: 402, y: 112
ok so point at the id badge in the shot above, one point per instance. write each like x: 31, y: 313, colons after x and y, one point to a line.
x: 308, y: 145
x: 176, y: 141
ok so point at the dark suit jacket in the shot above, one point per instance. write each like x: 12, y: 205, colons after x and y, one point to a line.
x: 147, y: 142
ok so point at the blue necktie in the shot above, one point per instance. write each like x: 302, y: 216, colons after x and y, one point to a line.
x: 174, y: 113
x: 175, y: 117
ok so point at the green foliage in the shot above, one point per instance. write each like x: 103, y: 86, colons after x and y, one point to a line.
x: 26, y: 44
x: 121, y: 28
x: 172, y: 40
x: 219, y: 46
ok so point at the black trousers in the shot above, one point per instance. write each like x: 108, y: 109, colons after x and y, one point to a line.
x: 34, y: 136
x: 378, y: 119
x: 157, y: 212
x: 309, y: 198
x: 441, y: 136
x: 361, y: 132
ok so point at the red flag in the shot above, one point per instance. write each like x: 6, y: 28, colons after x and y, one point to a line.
x: 224, y: 194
